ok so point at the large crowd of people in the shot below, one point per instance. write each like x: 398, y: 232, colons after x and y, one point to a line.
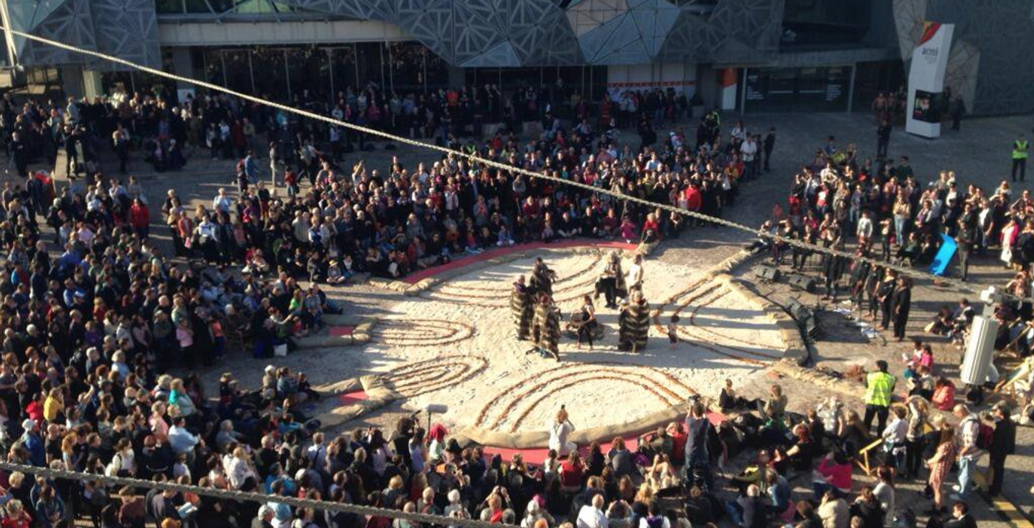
x: 97, y: 318
x: 877, y: 208
x: 154, y: 126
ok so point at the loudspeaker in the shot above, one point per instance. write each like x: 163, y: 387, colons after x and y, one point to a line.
x: 804, y: 317
x: 797, y: 309
x: 766, y: 273
x: 801, y: 282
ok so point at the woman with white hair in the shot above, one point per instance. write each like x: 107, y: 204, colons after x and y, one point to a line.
x: 533, y: 513
x: 239, y: 470
x: 455, y: 509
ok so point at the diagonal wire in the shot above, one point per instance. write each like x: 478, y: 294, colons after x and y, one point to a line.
x: 475, y: 159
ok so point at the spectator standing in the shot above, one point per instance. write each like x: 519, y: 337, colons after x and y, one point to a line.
x: 969, y: 451
x: 699, y: 433
x: 121, y: 145
x: 901, y: 305
x: 1020, y: 151
x: 879, y: 389
x: 1003, y: 444
x: 749, y: 150
x: 940, y: 463
x: 957, y: 110
x: 883, y: 139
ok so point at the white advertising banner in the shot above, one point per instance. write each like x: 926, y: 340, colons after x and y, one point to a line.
x: 926, y: 80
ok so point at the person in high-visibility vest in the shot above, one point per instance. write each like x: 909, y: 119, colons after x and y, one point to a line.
x: 879, y: 387
x: 1020, y: 150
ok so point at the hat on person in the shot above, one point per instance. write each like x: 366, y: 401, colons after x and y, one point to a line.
x: 29, y: 424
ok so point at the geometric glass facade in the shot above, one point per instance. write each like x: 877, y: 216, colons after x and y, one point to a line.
x: 573, y: 41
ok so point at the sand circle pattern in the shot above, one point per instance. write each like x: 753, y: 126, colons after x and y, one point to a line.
x: 421, y: 332
x: 456, y: 344
x: 511, y: 408
x: 421, y: 377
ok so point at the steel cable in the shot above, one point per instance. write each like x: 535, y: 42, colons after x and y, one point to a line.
x: 244, y: 496
x: 475, y: 159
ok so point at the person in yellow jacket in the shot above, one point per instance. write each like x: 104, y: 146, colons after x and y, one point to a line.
x: 879, y: 388
x: 1020, y: 151
x: 54, y: 405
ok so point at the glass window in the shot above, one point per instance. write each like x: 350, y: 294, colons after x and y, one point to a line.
x: 344, y: 67
x: 437, y: 71
x: 513, y: 79
x: 407, y: 67
x: 238, y: 71
x: 369, y: 55
x: 221, y: 5
x: 798, y: 89
x: 270, y: 76
x: 169, y: 7
x: 197, y: 64
x: 309, y: 74
x: 197, y: 6
x: 596, y: 81
x: 214, y: 67
x: 873, y: 78
x: 822, y: 22
x: 254, y: 7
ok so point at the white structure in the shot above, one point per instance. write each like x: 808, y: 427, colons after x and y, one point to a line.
x: 926, y: 80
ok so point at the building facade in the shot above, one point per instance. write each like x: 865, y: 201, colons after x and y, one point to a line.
x: 751, y: 55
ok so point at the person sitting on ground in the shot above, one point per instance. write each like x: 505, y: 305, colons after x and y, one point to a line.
x: 833, y: 474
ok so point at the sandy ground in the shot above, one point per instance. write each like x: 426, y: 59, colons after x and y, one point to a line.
x: 460, y: 339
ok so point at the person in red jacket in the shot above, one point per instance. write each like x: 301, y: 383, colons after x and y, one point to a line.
x: 140, y: 218
x: 693, y: 200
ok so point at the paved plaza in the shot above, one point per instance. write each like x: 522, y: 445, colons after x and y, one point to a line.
x: 468, y: 316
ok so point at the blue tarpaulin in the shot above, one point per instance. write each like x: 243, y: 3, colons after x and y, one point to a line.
x: 944, y: 255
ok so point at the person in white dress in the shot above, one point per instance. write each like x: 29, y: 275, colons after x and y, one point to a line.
x: 634, y: 280
x: 559, y: 431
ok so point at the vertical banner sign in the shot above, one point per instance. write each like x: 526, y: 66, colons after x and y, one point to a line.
x: 926, y: 80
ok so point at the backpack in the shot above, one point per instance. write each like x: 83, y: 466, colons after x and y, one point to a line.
x: 985, y: 436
